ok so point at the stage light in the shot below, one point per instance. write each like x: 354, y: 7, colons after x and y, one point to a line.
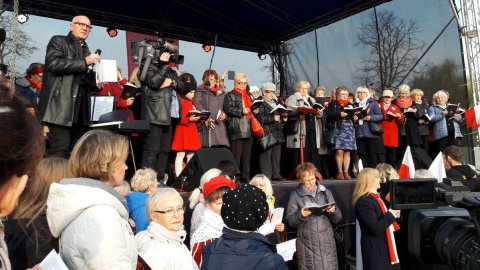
x: 206, y: 47
x: 112, y: 32
x: 262, y: 56
x: 22, y: 18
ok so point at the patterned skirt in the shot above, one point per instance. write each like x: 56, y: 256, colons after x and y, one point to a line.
x: 345, y: 137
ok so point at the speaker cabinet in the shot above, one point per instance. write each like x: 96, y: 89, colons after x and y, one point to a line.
x: 203, y: 160
x: 420, y: 158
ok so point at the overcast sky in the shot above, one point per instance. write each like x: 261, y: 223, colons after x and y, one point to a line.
x: 196, y: 60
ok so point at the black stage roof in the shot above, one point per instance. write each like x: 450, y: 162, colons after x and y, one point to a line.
x: 249, y: 25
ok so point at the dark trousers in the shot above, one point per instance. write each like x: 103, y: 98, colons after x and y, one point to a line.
x: 391, y: 156
x: 156, y: 148
x: 366, y: 148
x: 242, y: 150
x: 63, y: 138
x: 270, y: 162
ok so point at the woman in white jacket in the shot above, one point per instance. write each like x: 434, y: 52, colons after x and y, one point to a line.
x: 88, y: 215
x: 161, y: 245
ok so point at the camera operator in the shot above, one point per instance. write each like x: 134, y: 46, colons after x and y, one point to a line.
x: 452, y: 159
x: 159, y: 105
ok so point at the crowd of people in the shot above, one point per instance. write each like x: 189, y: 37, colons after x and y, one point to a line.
x: 69, y: 200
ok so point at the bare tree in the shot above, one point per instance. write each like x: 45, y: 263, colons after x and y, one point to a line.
x: 25, y: 45
x: 394, y: 47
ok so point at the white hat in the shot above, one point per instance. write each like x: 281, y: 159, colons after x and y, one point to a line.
x: 253, y: 89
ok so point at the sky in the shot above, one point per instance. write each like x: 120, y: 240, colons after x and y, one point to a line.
x: 41, y: 29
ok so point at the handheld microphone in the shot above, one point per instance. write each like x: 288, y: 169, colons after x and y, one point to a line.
x: 90, y: 67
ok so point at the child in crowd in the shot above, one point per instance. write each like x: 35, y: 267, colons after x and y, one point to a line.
x: 262, y: 182
x: 186, y: 139
x: 315, y: 239
x: 144, y: 182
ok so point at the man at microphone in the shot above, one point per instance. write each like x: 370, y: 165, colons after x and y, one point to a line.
x: 64, y: 103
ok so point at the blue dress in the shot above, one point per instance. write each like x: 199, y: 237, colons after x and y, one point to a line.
x: 345, y: 136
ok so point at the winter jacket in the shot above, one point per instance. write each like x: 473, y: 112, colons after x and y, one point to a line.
x: 218, y: 136
x: 210, y: 228
x: 466, y: 175
x: 376, y: 115
x: 156, y: 101
x: 422, y: 109
x: 241, y: 251
x: 137, y: 208
x: 60, y: 81
x: 269, y: 125
x: 90, y: 218
x: 28, y: 246
x: 390, y: 125
x: 164, y: 249
x: 26, y: 90
x: 293, y: 141
x: 437, y: 117
x: 316, y: 248
x: 4, y: 261
x: 238, y: 125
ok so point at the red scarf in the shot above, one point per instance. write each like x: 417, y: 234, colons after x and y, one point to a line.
x: 213, y: 89
x: 35, y: 84
x: 342, y: 102
x: 247, y: 102
x: 392, y: 250
x: 404, y: 102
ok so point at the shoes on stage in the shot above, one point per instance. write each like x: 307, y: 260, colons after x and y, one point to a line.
x: 340, y: 176
x: 347, y: 176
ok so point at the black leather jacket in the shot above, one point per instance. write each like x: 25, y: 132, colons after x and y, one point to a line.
x: 59, y: 85
x: 269, y: 125
x: 238, y: 126
x: 156, y: 101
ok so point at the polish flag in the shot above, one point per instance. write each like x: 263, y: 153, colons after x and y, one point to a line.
x: 360, y: 165
x: 437, y: 169
x: 472, y: 117
x: 407, y: 169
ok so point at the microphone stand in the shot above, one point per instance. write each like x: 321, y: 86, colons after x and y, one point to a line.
x: 207, y: 85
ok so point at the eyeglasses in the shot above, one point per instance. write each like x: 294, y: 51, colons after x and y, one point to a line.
x: 172, y: 212
x: 242, y: 83
x: 361, y: 92
x: 269, y: 92
x: 82, y: 25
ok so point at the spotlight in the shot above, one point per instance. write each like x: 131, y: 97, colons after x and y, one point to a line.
x: 206, y: 47
x: 112, y: 32
x: 22, y: 18
x: 262, y: 56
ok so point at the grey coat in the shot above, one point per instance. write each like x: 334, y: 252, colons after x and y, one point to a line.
x: 316, y: 248
x: 293, y: 141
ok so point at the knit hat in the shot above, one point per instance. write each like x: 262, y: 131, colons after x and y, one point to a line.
x: 269, y: 86
x: 189, y: 86
x: 244, y: 208
x: 387, y: 93
x: 253, y: 89
x: 216, y: 183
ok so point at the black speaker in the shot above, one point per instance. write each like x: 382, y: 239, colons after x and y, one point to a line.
x: 203, y: 160
x: 420, y: 158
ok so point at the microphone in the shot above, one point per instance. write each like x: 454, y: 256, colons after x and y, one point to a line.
x: 90, y: 67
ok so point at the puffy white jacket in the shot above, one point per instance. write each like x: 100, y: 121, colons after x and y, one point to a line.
x: 91, y: 219
x: 163, y: 249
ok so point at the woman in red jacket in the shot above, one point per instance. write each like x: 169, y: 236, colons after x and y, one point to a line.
x: 392, y: 118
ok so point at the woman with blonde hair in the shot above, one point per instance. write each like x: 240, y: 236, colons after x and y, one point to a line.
x: 98, y: 165
x: 27, y: 235
x: 377, y: 223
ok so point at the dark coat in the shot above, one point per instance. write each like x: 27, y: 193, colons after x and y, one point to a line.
x: 238, y: 125
x: 466, y: 175
x: 269, y: 125
x: 26, y: 90
x: 59, y: 84
x: 156, y: 101
x: 373, y: 224
x: 242, y: 251
x: 422, y: 109
x: 23, y: 250
x: 316, y: 248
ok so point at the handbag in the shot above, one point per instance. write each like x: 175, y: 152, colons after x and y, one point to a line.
x: 291, y: 126
x: 330, y: 136
x: 403, y: 130
x: 267, y: 141
x: 257, y: 129
x: 376, y: 128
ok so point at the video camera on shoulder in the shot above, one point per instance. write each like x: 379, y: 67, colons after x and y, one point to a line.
x: 152, y: 49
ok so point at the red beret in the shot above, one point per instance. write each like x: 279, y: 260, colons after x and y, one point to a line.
x: 216, y: 183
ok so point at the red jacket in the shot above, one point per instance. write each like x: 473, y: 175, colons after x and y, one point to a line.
x: 186, y: 135
x: 390, y: 125
x: 115, y: 89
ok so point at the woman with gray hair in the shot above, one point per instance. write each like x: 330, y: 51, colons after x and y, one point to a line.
x: 409, y: 135
x: 161, y: 245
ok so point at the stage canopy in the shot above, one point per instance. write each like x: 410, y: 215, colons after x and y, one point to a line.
x: 250, y: 25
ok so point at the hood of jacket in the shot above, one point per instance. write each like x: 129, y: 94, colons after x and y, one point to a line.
x: 463, y: 172
x: 69, y: 198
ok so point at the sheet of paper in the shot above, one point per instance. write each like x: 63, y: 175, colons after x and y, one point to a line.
x: 101, y: 105
x: 266, y: 229
x: 286, y: 249
x: 277, y: 216
x: 106, y: 71
x: 53, y: 261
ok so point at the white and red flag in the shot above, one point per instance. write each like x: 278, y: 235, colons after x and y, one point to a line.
x: 472, y: 117
x: 437, y: 168
x: 407, y: 169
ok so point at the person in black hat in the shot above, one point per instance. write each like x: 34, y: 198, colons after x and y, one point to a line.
x: 244, y: 210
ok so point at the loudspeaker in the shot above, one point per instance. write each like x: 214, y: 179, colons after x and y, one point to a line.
x: 203, y: 160
x: 420, y: 158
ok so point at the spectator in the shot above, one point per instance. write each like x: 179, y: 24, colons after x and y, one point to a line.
x: 422, y: 173
x: 377, y: 223
x: 452, y: 159
x: 144, y: 182
x: 392, y: 117
x: 98, y: 165
x: 27, y: 235
x: 30, y: 85
x: 387, y: 173
x: 315, y: 242
x: 422, y: 123
x: 228, y: 169
x: 161, y: 245
x: 211, y: 224
x: 244, y: 210
x: 124, y: 189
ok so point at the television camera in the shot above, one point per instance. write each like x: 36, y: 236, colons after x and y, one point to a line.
x: 449, y: 233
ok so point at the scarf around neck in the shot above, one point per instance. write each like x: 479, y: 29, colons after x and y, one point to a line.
x: 342, y: 102
x: 247, y: 102
x: 37, y: 85
x: 404, y: 102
